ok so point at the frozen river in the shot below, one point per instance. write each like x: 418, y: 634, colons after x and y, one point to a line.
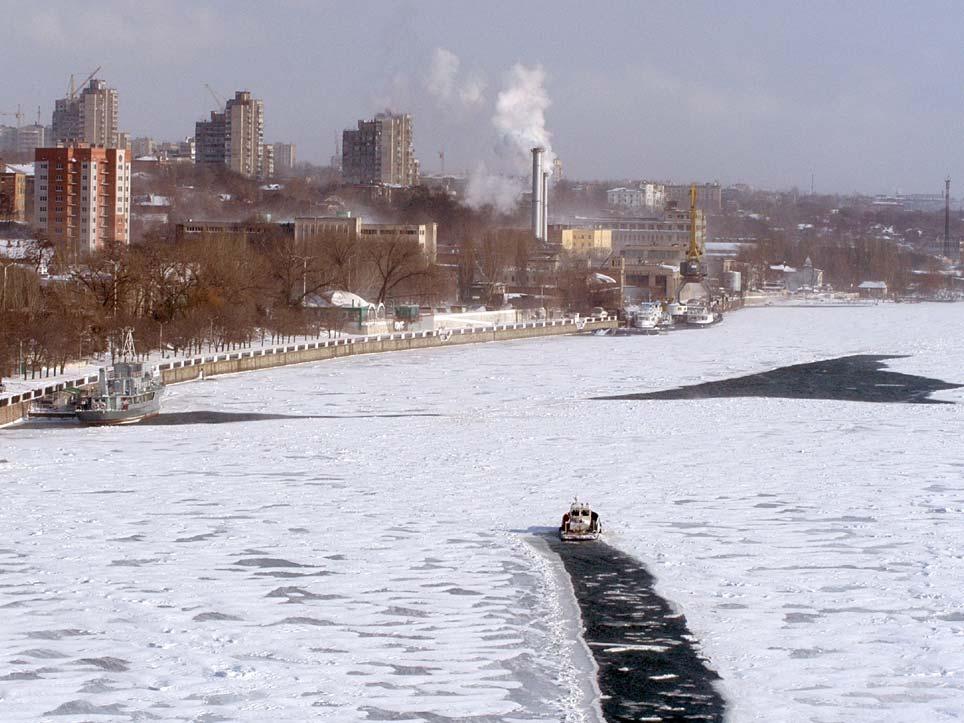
x: 351, y: 540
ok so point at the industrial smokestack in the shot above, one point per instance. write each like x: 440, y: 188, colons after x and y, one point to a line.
x: 947, y: 218
x: 538, y: 202
x: 545, y: 205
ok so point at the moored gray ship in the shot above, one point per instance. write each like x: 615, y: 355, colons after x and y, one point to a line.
x: 125, y: 393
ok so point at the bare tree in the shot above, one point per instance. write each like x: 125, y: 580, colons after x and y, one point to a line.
x: 394, y: 262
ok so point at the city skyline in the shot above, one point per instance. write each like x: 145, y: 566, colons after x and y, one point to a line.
x: 764, y: 96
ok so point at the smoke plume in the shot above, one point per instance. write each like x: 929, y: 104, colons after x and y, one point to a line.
x: 496, y: 190
x: 520, y: 117
x: 448, y: 86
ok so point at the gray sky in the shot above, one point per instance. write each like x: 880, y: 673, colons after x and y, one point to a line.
x: 865, y: 94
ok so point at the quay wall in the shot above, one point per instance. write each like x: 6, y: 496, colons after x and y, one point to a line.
x: 251, y: 360
x: 15, y: 407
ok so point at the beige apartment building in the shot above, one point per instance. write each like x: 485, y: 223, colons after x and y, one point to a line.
x: 244, y: 135
x: 13, y: 195
x: 88, y: 117
x: 284, y: 158
x: 83, y: 196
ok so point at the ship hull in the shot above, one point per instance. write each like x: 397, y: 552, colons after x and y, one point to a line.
x: 111, y: 417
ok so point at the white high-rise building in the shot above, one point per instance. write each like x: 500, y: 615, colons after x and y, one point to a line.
x: 244, y: 135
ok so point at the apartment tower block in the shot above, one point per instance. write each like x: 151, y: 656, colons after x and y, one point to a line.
x: 90, y: 117
x: 83, y: 196
x: 380, y: 151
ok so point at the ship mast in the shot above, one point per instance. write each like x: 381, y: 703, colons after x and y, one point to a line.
x: 128, y: 353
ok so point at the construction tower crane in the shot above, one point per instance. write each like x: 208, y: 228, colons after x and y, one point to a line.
x: 72, y: 90
x: 217, y: 98
x: 18, y: 115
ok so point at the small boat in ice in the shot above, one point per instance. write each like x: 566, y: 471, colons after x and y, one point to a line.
x: 646, y: 318
x: 701, y: 316
x: 58, y: 407
x: 580, y: 523
x: 125, y: 393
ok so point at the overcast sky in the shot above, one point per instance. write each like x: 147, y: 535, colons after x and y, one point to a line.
x: 867, y: 95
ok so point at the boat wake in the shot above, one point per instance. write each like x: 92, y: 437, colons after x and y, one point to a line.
x: 649, y: 668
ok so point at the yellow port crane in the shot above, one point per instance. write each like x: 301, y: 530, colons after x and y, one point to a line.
x: 691, y: 268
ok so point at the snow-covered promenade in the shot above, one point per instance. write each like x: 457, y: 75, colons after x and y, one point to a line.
x: 16, y: 397
x: 351, y: 540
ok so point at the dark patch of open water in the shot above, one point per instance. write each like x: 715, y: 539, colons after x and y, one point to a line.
x: 857, y: 378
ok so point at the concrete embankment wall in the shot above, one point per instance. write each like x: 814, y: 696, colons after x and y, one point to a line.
x: 15, y: 408
x: 243, y: 361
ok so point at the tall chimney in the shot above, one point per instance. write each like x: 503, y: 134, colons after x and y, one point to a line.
x: 537, y: 199
x: 545, y: 205
x: 946, y: 251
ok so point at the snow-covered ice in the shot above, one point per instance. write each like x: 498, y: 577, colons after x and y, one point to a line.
x: 340, y: 564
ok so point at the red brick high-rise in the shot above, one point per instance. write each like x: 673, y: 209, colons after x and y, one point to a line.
x: 82, y: 196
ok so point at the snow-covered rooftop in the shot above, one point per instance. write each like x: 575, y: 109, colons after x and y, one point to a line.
x: 25, y: 168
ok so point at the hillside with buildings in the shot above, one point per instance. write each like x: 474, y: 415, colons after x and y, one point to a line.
x: 222, y: 235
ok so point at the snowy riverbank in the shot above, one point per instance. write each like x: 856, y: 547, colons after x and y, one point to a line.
x: 363, y: 554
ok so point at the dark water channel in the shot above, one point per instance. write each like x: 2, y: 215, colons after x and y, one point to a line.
x: 857, y: 378
x: 649, y: 667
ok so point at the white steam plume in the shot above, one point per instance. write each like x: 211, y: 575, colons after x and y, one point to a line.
x: 489, y: 189
x: 446, y: 85
x: 520, y: 117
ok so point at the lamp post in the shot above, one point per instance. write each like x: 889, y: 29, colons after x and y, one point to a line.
x: 3, y: 295
x: 304, y: 276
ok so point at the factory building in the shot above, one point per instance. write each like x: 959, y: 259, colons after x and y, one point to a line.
x: 648, y: 251
x: 586, y: 242
x: 318, y: 229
